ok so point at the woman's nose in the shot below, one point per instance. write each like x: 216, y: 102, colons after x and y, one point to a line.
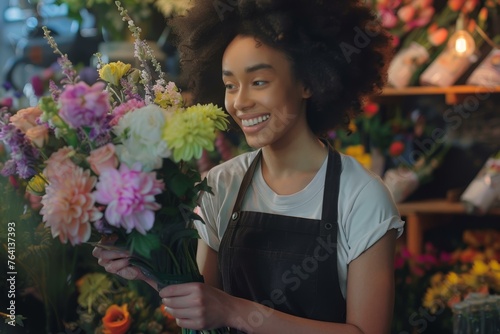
x: 243, y: 100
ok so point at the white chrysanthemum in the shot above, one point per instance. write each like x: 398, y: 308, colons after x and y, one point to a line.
x: 140, y: 132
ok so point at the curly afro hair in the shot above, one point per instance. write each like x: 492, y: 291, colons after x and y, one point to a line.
x: 337, y: 49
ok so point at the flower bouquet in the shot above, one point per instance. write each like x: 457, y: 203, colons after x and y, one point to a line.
x: 488, y: 71
x: 484, y: 190
x: 114, y: 158
x: 422, y: 44
x: 401, y: 17
x: 109, y: 305
x: 447, y: 68
x: 403, y: 180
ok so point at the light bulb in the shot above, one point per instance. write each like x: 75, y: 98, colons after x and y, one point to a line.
x: 462, y: 44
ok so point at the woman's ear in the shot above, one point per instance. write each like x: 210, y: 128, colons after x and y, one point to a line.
x: 306, y: 92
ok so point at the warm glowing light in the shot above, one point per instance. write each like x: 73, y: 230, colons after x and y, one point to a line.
x: 462, y: 44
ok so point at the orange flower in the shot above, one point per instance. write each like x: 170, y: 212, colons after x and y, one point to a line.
x: 455, y: 5
x: 469, y: 6
x: 25, y: 119
x: 116, y: 320
x: 438, y: 36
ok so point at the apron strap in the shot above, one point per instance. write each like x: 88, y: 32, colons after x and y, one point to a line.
x: 329, y: 215
x: 245, y: 183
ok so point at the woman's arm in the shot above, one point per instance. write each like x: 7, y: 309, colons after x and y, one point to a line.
x: 370, y: 298
x: 206, y: 258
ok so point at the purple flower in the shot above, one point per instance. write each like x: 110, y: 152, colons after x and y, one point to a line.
x: 9, y: 168
x: 130, y: 197
x: 7, y: 85
x: 103, y: 227
x: 84, y: 105
x: 89, y: 75
x: 24, y: 156
x: 37, y: 84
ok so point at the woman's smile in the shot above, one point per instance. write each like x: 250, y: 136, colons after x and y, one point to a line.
x: 254, y: 121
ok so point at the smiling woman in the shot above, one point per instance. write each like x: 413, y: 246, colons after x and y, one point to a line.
x: 262, y: 95
x: 297, y: 237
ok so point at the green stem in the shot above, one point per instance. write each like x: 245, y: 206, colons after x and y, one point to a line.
x: 174, y: 260
x: 120, y: 98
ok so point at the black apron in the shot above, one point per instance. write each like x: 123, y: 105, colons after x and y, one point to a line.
x: 286, y: 263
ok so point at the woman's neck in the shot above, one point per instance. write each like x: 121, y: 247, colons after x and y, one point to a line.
x: 302, y: 155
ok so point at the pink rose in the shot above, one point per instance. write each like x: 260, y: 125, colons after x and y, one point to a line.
x: 59, y: 164
x: 406, y: 13
x: 25, y: 119
x: 38, y: 135
x: 389, y: 20
x: 103, y: 158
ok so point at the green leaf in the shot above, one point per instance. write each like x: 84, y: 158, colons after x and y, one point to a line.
x: 143, y: 244
x: 180, y: 184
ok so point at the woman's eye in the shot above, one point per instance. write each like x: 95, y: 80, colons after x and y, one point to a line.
x: 229, y: 86
x: 259, y: 83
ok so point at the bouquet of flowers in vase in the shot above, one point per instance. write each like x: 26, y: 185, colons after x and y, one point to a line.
x: 113, y: 158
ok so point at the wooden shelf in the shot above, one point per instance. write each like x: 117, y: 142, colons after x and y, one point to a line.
x: 452, y: 94
x: 436, y: 206
x: 424, y: 215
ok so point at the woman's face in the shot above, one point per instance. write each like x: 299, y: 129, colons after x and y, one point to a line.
x: 262, y: 95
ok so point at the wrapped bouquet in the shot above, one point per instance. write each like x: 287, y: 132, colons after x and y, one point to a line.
x: 484, y: 191
x: 112, y: 158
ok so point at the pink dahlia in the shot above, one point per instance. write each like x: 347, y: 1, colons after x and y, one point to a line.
x: 84, y: 105
x: 68, y: 206
x: 130, y: 197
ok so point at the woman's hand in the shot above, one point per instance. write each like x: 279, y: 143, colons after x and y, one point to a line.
x: 197, y: 305
x: 117, y: 262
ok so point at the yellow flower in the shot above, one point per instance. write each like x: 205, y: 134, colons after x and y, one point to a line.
x: 113, y: 72
x: 352, y: 127
x: 494, y: 266
x: 479, y: 268
x: 452, y: 278
x: 190, y: 131
x: 213, y: 112
x: 436, y: 279
x: 365, y: 160
x: 470, y: 280
x: 432, y: 299
x: 355, y: 150
x: 36, y: 185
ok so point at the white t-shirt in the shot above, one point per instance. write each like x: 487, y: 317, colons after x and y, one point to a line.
x: 366, y: 209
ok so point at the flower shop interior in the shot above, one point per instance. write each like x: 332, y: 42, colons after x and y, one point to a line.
x: 432, y: 135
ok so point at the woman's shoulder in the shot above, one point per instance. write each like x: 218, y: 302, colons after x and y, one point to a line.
x: 231, y: 169
x: 357, y: 182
